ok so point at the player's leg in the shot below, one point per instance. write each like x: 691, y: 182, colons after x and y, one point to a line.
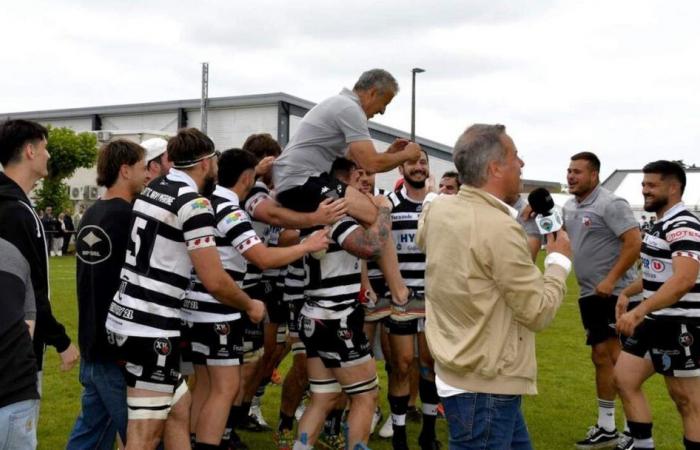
x: 428, y: 395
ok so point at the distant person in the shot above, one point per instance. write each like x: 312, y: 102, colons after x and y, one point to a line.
x: 24, y: 157
x: 605, y: 240
x: 77, y: 217
x: 69, y: 227
x: 664, y: 330
x: 485, y: 297
x: 157, y: 162
x: 50, y: 228
x: 449, y: 183
x: 100, y: 249
x: 59, y: 237
x: 19, y: 397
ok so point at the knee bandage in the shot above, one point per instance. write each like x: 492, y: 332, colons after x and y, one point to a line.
x: 330, y: 386
x: 298, y: 348
x: 361, y: 387
x: 157, y: 408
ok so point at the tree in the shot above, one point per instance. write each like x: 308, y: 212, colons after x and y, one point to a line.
x: 69, y: 151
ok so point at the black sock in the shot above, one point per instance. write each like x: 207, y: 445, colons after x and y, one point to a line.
x: 203, y: 446
x: 230, y: 424
x: 399, y: 406
x: 261, y: 387
x: 333, y: 422
x: 641, y: 432
x: 429, y: 398
x: 691, y: 445
x: 236, y: 416
x: 286, y: 422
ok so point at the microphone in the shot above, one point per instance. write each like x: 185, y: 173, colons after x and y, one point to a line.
x: 548, y: 219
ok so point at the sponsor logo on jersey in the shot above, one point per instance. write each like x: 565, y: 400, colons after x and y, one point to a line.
x: 162, y: 346
x: 222, y: 329
x: 686, y: 339
x: 200, y: 203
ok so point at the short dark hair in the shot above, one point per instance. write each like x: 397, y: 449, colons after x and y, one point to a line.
x: 113, y: 156
x: 342, y: 167
x: 262, y: 145
x: 189, y: 144
x: 232, y: 163
x: 592, y: 159
x: 667, y: 169
x: 15, y: 134
x: 451, y: 174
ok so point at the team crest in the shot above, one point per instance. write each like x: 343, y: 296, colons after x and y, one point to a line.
x: 686, y: 339
x: 345, y: 334
x: 162, y: 346
x: 222, y: 329
x: 586, y: 221
x: 309, y: 326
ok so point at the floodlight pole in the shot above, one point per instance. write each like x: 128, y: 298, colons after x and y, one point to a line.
x: 414, y: 71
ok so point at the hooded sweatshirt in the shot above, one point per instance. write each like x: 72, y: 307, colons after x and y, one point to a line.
x: 20, y: 225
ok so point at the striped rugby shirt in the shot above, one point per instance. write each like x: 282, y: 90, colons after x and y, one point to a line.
x: 404, y: 226
x: 677, y: 233
x: 294, y: 281
x: 333, y: 282
x: 234, y: 236
x: 268, y: 234
x: 169, y: 219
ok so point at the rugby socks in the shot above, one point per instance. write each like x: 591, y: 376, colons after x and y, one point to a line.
x: 261, y: 390
x: 399, y: 406
x: 286, y: 422
x: 606, y: 414
x: 203, y: 446
x: 333, y: 423
x: 691, y: 445
x: 641, y: 432
x: 429, y: 398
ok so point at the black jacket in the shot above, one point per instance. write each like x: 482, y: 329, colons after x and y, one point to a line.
x: 20, y: 225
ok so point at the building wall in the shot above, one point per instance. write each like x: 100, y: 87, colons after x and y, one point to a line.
x: 231, y: 126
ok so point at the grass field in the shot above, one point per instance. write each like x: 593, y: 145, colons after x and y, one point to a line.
x: 557, y: 417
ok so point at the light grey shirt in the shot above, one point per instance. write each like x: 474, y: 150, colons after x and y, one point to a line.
x: 595, y: 226
x: 322, y: 137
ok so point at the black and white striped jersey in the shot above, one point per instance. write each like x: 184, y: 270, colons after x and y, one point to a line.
x: 294, y: 281
x: 234, y: 236
x: 333, y: 282
x: 374, y: 273
x: 404, y: 226
x: 169, y: 219
x: 268, y: 234
x: 676, y: 234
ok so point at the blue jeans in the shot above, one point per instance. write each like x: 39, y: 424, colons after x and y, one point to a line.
x: 18, y: 425
x: 486, y: 422
x: 103, y: 407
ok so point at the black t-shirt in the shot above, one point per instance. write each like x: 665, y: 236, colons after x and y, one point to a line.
x: 101, y: 248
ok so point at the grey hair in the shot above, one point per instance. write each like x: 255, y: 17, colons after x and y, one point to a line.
x: 479, y: 145
x: 377, y: 78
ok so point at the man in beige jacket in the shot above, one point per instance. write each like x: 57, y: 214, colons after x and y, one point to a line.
x: 485, y: 298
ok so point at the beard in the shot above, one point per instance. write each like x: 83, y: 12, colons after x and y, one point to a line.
x: 655, y: 205
x: 416, y: 184
x: 209, y: 186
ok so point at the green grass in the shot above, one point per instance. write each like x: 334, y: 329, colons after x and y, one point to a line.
x: 557, y: 417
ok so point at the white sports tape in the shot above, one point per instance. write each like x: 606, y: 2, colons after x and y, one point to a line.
x: 330, y: 386
x: 143, y: 408
x: 361, y: 387
x: 298, y: 348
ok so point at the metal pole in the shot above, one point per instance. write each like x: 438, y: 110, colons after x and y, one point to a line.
x: 205, y: 98
x: 414, y: 71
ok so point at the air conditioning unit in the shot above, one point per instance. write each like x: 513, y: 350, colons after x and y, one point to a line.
x: 75, y: 193
x: 104, y: 136
x: 91, y: 192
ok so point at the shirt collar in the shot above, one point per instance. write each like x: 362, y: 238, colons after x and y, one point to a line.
x: 179, y: 175
x: 512, y: 211
x: 590, y: 197
x: 228, y: 194
x: 351, y: 94
x: 673, y: 210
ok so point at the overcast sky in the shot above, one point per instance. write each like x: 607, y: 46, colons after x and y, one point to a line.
x: 619, y: 78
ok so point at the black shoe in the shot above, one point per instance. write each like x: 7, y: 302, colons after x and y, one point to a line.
x: 598, y: 437
x: 235, y: 442
x: 250, y: 423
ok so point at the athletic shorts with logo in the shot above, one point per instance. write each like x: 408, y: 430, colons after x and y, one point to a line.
x: 308, y: 196
x: 276, y: 307
x: 672, y: 345
x: 215, y: 343
x: 293, y: 322
x: 149, y: 363
x: 338, y: 342
x: 404, y: 328
x: 598, y: 318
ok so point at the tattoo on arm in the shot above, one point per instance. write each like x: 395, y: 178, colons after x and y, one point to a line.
x: 367, y: 243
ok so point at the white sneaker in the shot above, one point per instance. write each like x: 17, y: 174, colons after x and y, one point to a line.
x: 376, y: 419
x: 387, y: 430
x: 256, y: 412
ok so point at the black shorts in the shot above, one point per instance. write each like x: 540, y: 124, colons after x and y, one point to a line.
x: 672, y: 345
x: 215, y: 344
x: 338, y: 342
x: 276, y: 309
x: 308, y: 196
x: 404, y: 328
x: 294, y: 309
x: 149, y: 363
x: 253, y: 339
x: 598, y: 317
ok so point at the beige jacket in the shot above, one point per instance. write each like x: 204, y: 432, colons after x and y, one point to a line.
x: 485, y: 299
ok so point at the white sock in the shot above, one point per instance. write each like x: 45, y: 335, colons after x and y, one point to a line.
x: 606, y: 414
x: 641, y: 444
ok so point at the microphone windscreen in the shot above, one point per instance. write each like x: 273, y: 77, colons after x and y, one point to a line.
x: 540, y: 201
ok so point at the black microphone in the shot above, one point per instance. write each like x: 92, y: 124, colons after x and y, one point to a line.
x: 548, y: 219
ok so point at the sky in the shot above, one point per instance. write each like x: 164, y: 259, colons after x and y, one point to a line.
x: 619, y: 78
